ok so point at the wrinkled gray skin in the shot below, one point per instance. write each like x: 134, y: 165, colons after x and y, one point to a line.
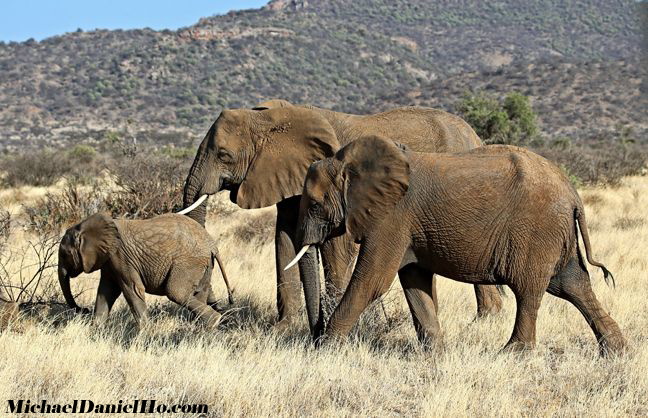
x: 261, y: 156
x: 169, y: 255
x: 498, y: 215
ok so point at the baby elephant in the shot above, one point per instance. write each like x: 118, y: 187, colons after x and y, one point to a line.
x: 169, y: 255
x: 492, y: 215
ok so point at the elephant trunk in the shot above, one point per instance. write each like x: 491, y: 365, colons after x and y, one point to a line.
x: 192, y: 192
x: 64, y: 281
x: 309, y: 271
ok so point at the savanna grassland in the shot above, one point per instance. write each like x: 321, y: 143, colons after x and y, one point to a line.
x: 247, y: 369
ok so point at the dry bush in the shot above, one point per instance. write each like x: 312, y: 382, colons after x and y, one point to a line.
x: 37, y: 168
x: 46, y: 167
x: 627, y: 223
x: 5, y: 227
x: 146, y: 185
x: 136, y: 186
x: 593, y: 199
x: 27, y: 272
x: 56, y: 211
x: 603, y: 164
x: 259, y: 229
x: 26, y: 267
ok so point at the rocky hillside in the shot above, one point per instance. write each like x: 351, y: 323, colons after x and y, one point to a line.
x: 579, y: 60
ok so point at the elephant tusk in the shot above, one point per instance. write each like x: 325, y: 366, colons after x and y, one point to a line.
x: 297, y: 257
x: 194, y: 206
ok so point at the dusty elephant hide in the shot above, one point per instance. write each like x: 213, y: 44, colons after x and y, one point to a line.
x: 497, y: 215
x: 261, y: 156
x: 169, y: 255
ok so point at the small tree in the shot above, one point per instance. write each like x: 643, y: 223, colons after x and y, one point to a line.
x: 512, y: 122
x: 83, y: 154
x: 521, y: 116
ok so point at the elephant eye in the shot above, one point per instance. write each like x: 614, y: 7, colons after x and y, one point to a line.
x: 315, y: 208
x: 224, y: 155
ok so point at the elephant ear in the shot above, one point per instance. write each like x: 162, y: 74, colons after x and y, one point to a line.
x: 376, y: 176
x: 287, y: 141
x: 272, y: 103
x: 98, y: 238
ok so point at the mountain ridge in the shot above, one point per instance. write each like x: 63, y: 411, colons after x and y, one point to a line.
x: 355, y: 56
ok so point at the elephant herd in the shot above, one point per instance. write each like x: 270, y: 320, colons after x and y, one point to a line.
x: 409, y: 192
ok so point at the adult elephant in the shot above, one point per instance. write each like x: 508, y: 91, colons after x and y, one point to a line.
x: 497, y: 214
x: 261, y: 155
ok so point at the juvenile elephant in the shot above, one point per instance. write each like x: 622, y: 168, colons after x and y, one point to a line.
x: 492, y: 215
x: 261, y: 156
x: 169, y: 255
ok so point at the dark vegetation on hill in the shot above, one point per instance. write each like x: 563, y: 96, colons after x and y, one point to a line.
x: 579, y: 61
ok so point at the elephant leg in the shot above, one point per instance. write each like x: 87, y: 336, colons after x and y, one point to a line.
x: 202, y: 296
x: 208, y: 296
x: 194, y: 299
x: 421, y: 298
x: 374, y: 272
x: 107, y: 294
x: 489, y: 301
x: 136, y: 301
x: 338, y: 255
x: 528, y: 296
x: 212, y: 300
x: 573, y: 284
x: 200, y: 310
x: 288, y: 282
x: 433, y: 293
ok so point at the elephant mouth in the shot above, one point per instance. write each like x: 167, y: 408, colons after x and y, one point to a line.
x: 234, y: 188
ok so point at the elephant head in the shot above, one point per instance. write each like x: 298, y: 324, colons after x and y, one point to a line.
x: 260, y: 155
x: 350, y: 193
x: 85, y: 247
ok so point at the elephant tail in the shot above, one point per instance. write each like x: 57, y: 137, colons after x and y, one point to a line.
x: 579, y: 215
x: 216, y: 256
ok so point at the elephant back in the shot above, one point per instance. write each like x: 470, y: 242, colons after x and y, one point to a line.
x: 420, y: 129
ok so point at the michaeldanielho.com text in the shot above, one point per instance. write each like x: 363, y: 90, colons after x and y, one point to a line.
x: 86, y: 406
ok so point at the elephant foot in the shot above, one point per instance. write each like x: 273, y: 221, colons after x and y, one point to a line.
x: 8, y: 313
x: 212, y: 321
x: 487, y: 312
x: 83, y: 311
x: 612, y: 345
x: 434, y: 345
x: 324, y: 342
x: 285, y: 324
x: 489, y: 301
x: 519, y: 347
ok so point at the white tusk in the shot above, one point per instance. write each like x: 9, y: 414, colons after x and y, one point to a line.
x: 194, y: 206
x: 297, y: 257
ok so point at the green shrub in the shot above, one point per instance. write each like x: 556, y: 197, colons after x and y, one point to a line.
x: 178, y: 152
x: 510, y: 122
x: 522, y: 119
x: 83, y: 154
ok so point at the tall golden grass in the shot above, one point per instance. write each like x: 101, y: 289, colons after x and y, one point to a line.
x: 246, y: 369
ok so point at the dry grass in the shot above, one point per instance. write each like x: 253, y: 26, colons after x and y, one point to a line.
x: 245, y: 369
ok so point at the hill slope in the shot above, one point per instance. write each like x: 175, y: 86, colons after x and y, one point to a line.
x: 342, y: 54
